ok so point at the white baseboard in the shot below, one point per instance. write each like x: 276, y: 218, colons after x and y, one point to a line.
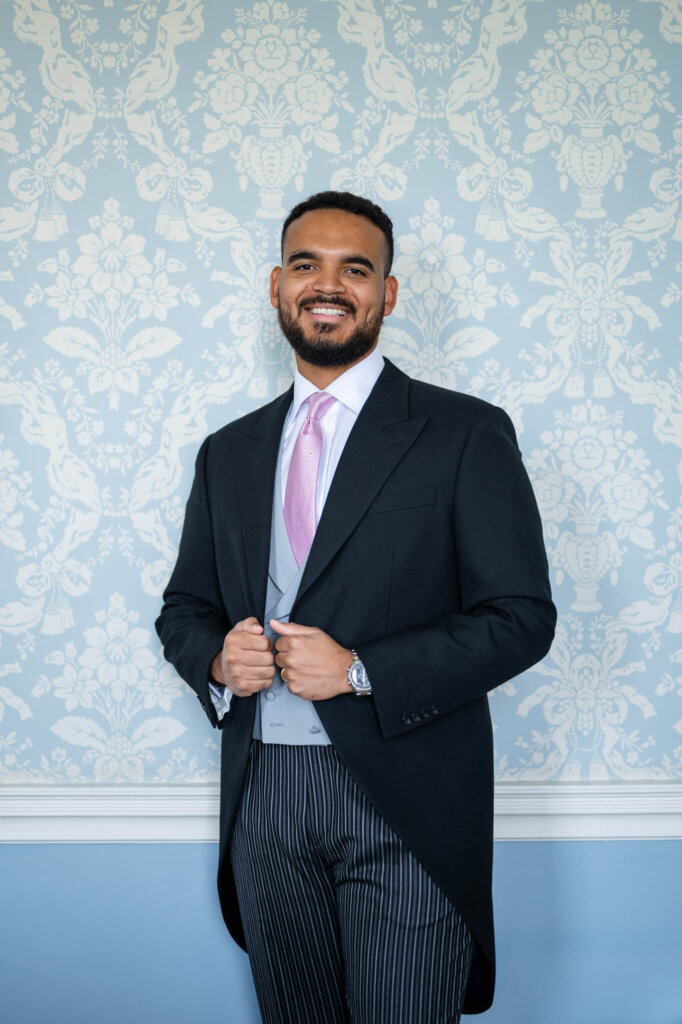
x: 189, y: 814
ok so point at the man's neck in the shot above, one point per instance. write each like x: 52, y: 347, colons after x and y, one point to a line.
x: 323, y: 376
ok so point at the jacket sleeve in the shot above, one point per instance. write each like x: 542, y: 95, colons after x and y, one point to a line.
x: 506, y: 619
x: 193, y: 622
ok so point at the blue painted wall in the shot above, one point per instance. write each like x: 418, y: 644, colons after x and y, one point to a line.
x: 588, y: 933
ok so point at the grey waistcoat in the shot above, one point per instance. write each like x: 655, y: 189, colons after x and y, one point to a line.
x: 281, y: 716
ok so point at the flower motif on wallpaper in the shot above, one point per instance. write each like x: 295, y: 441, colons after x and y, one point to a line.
x: 105, y: 55
x: 117, y: 679
x: 588, y: 474
x: 589, y: 314
x: 453, y: 40
x: 112, y: 284
x: 596, y: 77
x: 116, y: 654
x: 431, y: 259
x: 110, y: 261
x: 69, y: 293
x: 585, y: 707
x: 270, y: 74
x: 179, y: 767
x: 440, y: 284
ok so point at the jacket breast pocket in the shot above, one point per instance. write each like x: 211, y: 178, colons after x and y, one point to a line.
x: 392, y: 501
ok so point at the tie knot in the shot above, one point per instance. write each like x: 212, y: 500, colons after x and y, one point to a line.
x: 318, y: 404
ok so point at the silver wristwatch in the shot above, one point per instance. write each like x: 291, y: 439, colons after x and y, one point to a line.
x: 357, y: 677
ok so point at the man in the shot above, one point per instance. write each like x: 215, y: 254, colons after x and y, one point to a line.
x: 361, y: 561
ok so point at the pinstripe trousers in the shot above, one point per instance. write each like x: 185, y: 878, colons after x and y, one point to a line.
x: 342, y: 923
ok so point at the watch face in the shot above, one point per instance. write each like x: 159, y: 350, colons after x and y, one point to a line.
x: 358, y: 677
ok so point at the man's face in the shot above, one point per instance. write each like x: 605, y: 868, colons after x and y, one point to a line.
x: 330, y: 292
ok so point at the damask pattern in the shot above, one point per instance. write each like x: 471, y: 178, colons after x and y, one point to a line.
x: 530, y: 155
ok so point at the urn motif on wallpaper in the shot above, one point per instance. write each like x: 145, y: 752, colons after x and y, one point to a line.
x: 591, y: 474
x: 270, y: 74
x: 596, y: 76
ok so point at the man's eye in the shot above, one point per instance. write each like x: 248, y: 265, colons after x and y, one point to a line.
x: 303, y: 266
x: 357, y: 270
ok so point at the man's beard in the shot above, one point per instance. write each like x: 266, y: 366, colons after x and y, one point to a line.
x: 322, y: 351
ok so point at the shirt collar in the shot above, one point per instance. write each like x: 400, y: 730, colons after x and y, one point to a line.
x: 352, y: 387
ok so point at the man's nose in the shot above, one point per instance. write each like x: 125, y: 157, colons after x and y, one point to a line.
x: 329, y: 281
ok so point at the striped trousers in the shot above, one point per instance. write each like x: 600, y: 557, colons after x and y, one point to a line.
x: 342, y: 923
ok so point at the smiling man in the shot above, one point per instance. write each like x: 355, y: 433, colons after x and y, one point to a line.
x: 361, y: 561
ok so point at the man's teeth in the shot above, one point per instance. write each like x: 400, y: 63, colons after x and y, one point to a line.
x: 328, y: 311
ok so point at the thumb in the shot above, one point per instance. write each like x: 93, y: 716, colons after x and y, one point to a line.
x: 288, y: 628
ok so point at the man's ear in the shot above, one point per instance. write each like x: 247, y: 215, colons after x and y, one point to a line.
x: 274, y: 286
x: 390, y: 294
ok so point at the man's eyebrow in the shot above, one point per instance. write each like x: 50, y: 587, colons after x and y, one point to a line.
x: 306, y: 254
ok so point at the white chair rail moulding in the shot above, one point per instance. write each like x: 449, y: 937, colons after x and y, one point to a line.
x: 189, y: 814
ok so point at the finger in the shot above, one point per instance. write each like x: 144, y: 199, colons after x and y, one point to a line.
x: 260, y: 658
x: 236, y: 656
x: 247, y: 687
x: 250, y: 625
x: 256, y: 674
x: 289, y: 628
x: 251, y: 642
x: 250, y: 675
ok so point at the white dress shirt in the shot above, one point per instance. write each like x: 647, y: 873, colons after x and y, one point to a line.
x: 351, y: 390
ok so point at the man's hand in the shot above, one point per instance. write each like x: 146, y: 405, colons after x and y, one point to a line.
x: 313, y: 665
x: 245, y: 665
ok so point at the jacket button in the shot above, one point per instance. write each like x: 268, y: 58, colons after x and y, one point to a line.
x: 406, y: 720
x: 425, y: 712
x: 417, y: 717
x: 435, y: 710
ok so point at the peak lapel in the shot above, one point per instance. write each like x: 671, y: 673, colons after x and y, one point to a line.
x: 382, y: 434
x: 254, y: 455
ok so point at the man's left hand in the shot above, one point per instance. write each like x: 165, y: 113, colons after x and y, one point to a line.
x: 312, y: 664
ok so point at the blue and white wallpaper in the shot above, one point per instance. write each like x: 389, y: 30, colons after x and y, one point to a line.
x: 530, y: 156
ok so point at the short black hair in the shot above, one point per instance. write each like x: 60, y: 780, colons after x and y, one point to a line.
x: 349, y: 203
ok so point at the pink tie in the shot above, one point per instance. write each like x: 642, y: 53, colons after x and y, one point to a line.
x: 300, y: 497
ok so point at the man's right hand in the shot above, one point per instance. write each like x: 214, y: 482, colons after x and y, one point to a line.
x: 246, y: 663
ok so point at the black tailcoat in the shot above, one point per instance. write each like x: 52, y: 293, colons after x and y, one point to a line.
x: 429, y: 561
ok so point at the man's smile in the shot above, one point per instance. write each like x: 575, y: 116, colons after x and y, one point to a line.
x: 326, y: 313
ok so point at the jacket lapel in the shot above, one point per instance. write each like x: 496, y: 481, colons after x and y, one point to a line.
x: 381, y: 435
x: 254, y: 455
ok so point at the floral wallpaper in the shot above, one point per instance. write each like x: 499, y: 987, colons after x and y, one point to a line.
x: 530, y: 156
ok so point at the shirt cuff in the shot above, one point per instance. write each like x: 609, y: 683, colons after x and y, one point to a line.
x: 221, y: 698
